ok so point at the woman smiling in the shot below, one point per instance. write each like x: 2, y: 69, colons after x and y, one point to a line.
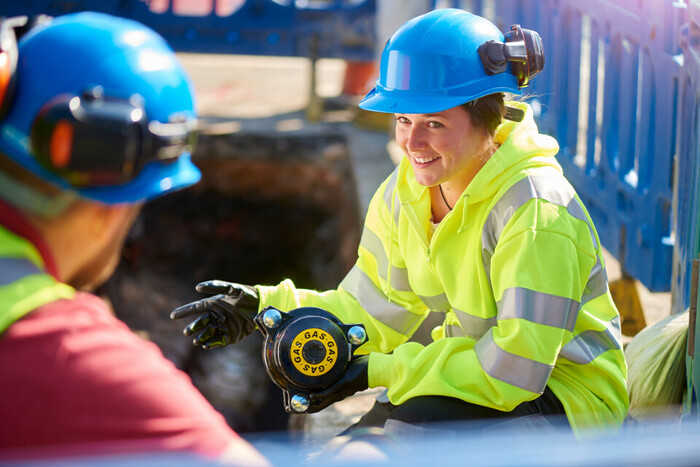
x: 476, y: 222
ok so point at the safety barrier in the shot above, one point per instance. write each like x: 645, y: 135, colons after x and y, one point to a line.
x: 687, y: 223
x: 310, y: 28
x: 609, y: 96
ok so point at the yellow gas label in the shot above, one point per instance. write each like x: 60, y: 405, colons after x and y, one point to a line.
x: 299, y: 360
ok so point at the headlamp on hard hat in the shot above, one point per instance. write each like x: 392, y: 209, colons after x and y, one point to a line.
x: 96, y: 140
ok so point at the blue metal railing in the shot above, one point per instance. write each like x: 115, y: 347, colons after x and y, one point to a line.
x: 312, y: 28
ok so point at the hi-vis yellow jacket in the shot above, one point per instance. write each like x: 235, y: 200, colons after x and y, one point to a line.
x: 24, y: 285
x: 518, y: 269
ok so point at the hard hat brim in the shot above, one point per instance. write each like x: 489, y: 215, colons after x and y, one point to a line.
x: 156, y: 179
x: 384, y: 102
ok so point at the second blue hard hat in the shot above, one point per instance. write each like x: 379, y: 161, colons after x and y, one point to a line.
x: 432, y: 63
x: 102, y: 107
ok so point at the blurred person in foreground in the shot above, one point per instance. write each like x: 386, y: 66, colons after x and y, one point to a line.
x: 476, y: 222
x: 96, y: 118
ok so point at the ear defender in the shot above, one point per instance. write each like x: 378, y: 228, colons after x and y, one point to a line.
x: 99, y: 140
x: 522, y: 49
x: 69, y: 131
x: 8, y: 61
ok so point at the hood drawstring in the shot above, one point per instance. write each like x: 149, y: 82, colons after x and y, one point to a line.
x: 387, y: 286
x: 465, y: 209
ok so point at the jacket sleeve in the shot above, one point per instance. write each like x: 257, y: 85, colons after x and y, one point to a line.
x: 538, y: 271
x: 365, y: 295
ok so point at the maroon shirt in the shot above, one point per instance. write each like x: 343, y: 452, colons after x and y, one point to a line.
x: 74, y: 380
x: 77, y: 379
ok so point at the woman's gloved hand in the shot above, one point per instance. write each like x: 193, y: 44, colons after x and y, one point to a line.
x: 353, y: 380
x: 225, y: 318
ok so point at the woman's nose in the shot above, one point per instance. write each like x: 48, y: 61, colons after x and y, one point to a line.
x: 415, y: 138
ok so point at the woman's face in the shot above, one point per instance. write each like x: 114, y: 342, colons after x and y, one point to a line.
x: 443, y: 147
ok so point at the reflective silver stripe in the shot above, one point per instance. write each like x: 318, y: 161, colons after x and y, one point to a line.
x: 372, y: 300
x: 452, y: 330
x: 436, y: 302
x: 521, y: 372
x: 597, y: 283
x: 589, y: 345
x: 473, y: 326
x: 399, y: 276
x: 12, y: 269
x: 538, y: 307
x: 389, y: 197
x: 554, y: 190
x: 486, y: 255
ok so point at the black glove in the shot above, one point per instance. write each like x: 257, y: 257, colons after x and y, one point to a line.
x: 353, y: 380
x: 222, y: 319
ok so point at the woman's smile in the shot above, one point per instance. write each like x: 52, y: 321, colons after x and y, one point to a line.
x: 422, y: 162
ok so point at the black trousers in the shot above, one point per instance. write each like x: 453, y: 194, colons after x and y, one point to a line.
x: 429, y: 410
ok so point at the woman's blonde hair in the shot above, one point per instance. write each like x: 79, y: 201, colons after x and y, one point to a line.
x: 486, y: 112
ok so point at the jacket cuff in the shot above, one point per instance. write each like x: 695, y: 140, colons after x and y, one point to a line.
x: 380, y: 370
x: 275, y: 295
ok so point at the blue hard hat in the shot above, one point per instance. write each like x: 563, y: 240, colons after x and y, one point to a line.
x: 432, y: 63
x: 103, y: 107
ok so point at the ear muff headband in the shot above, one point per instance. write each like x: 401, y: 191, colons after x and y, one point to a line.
x: 522, y: 49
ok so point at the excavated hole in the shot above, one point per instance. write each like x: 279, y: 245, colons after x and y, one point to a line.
x: 268, y: 207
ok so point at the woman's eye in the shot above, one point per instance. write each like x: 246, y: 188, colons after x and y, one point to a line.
x: 434, y: 124
x: 402, y: 119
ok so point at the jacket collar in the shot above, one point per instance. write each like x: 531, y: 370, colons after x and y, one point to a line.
x: 14, y: 222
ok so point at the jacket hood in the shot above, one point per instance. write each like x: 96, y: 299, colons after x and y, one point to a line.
x: 521, y: 146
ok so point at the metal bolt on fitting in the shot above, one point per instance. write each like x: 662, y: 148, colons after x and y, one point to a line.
x: 272, y: 318
x: 357, y: 335
x: 299, y: 403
